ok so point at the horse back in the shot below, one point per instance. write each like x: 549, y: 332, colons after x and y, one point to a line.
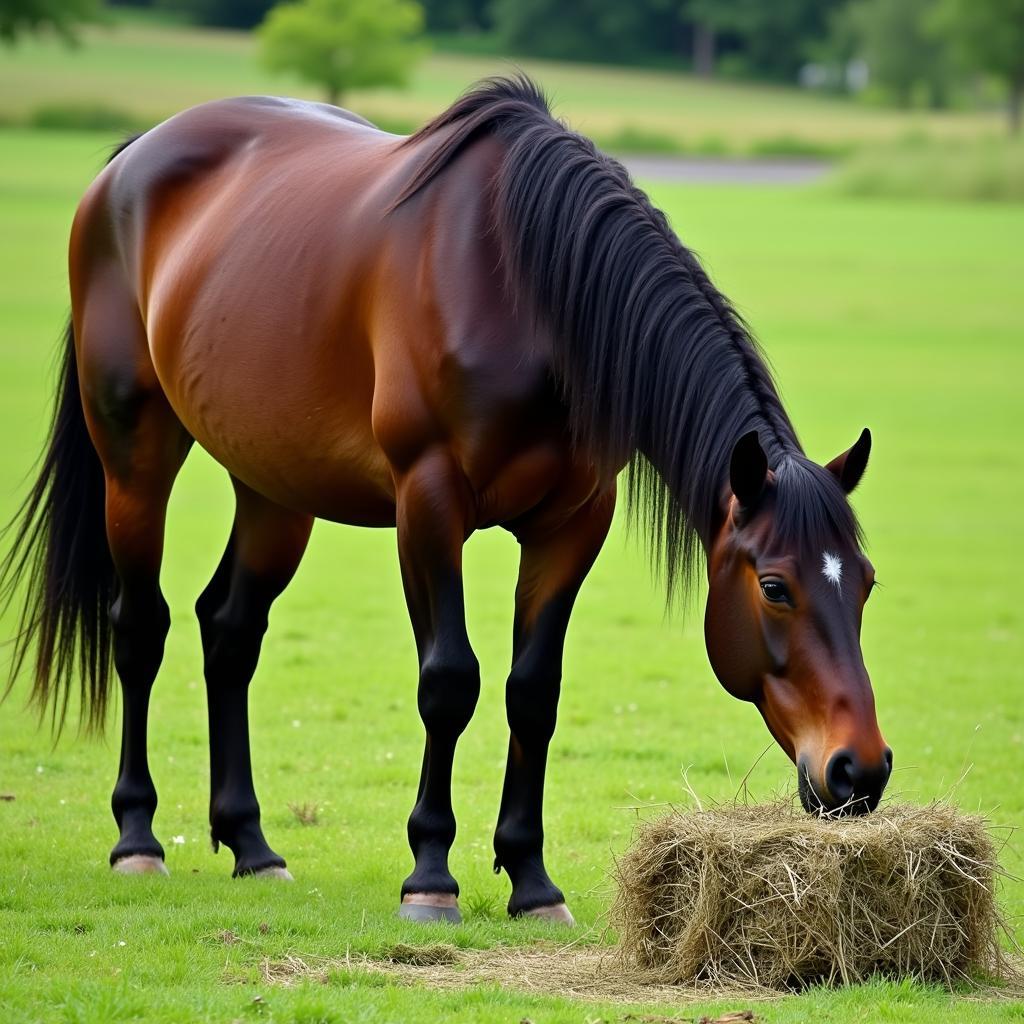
x: 313, y: 337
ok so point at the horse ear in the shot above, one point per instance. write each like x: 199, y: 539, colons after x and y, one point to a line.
x: 748, y: 470
x: 849, y: 467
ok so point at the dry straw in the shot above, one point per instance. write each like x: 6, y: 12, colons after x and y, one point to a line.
x: 767, y: 896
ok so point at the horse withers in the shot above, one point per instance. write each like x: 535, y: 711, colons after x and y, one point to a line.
x: 481, y: 324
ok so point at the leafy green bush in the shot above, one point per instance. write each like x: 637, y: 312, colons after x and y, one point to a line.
x: 985, y: 169
x: 793, y: 146
x: 91, y: 117
x: 711, y: 145
x: 633, y: 139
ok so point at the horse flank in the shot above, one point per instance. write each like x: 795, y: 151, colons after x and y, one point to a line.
x: 655, y: 364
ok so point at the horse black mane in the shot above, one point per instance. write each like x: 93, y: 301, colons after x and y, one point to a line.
x: 656, y: 365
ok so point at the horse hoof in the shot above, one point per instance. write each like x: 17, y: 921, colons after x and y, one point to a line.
x: 273, y: 872
x: 557, y: 913
x: 430, y: 906
x: 140, y: 864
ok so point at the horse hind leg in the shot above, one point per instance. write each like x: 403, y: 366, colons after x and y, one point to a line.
x: 142, y: 446
x: 266, y: 544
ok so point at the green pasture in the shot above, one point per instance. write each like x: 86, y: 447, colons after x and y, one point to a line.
x: 906, y: 317
x: 151, y: 70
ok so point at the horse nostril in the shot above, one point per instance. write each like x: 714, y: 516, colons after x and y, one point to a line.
x: 840, y: 777
x: 888, y: 762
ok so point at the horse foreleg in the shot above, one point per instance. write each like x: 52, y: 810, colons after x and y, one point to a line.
x: 431, y: 515
x: 555, y: 560
x: 267, y: 542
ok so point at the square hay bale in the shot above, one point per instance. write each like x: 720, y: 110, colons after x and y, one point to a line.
x: 770, y: 896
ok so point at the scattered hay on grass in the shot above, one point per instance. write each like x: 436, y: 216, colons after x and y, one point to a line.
x: 433, y: 954
x: 548, y: 968
x: 770, y: 897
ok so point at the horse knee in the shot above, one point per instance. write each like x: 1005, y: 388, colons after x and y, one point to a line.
x: 531, y: 702
x: 448, y: 691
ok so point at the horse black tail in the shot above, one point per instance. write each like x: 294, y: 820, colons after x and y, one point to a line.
x: 59, y: 566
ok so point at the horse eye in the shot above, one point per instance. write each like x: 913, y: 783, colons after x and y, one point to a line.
x: 775, y: 591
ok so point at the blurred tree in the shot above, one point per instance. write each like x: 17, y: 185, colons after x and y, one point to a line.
x: 599, y: 30
x: 989, y: 36
x: 458, y: 15
x: 63, y: 17
x: 343, y: 44
x: 902, y: 50
x: 768, y: 40
x: 760, y: 38
x: 221, y: 13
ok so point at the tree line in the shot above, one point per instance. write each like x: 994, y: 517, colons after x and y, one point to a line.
x: 907, y: 51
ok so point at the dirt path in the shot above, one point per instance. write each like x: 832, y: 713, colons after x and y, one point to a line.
x: 723, y: 171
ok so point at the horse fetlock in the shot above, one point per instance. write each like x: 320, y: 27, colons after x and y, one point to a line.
x: 231, y: 822
x: 431, y: 831
x: 532, y: 889
x: 133, y: 801
x: 238, y: 828
x: 519, y: 853
x: 431, y: 874
x: 516, y: 843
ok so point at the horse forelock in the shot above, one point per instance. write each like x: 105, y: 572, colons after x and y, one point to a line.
x: 811, y: 513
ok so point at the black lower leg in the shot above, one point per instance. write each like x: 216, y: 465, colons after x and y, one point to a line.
x: 233, y: 618
x: 448, y: 690
x: 140, y: 620
x: 531, y: 697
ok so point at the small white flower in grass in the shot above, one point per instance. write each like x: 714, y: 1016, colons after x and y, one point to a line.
x: 178, y: 840
x: 832, y: 569
x: 122, y: 943
x: 389, y: 756
x: 40, y: 769
x: 296, y: 723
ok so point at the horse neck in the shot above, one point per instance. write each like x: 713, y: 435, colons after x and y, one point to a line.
x: 688, y: 437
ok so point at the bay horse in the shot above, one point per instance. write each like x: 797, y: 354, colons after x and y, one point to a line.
x: 478, y: 325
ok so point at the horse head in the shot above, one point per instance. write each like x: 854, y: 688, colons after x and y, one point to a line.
x: 787, y: 586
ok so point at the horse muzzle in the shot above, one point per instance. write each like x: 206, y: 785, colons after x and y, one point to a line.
x: 848, y: 785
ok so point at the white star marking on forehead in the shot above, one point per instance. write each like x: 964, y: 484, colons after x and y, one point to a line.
x: 832, y: 569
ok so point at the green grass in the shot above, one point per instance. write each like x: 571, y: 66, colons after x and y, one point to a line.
x: 988, y: 169
x: 152, y: 70
x: 902, y: 316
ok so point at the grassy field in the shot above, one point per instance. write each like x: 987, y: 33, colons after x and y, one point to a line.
x: 152, y: 71
x: 905, y: 317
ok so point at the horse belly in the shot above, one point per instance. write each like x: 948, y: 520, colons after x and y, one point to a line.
x: 285, y: 411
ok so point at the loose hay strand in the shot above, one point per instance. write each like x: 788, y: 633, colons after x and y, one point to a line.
x: 772, y: 897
